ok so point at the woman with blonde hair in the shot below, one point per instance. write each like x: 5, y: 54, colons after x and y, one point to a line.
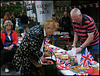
x: 32, y: 45
x: 6, y: 17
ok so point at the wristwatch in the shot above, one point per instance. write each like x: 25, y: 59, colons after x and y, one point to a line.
x: 81, y: 46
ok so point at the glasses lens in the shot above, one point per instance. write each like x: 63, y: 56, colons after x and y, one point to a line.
x: 8, y: 25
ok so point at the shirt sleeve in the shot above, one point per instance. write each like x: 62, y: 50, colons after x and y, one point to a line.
x: 91, y: 27
x: 73, y: 26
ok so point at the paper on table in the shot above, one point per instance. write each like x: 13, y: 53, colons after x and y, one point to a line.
x: 72, y: 52
x: 69, y: 53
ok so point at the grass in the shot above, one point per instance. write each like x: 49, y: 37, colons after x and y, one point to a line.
x: 1, y: 28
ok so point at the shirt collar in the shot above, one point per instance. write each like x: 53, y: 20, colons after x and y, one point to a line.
x: 44, y: 33
x: 83, y: 19
x: 4, y: 31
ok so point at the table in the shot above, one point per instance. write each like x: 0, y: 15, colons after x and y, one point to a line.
x: 68, y: 71
x: 63, y: 39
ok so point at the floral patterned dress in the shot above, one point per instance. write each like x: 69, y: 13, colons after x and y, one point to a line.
x: 29, y: 47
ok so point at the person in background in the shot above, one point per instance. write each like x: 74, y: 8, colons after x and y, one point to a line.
x: 24, y: 21
x: 32, y: 46
x: 20, y: 28
x: 13, y: 19
x: 9, y: 39
x: 58, y: 19
x: 84, y: 29
x: 19, y: 20
x: 6, y: 17
x: 54, y: 16
x: 66, y: 23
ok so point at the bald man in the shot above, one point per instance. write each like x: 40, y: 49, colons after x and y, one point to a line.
x: 84, y: 29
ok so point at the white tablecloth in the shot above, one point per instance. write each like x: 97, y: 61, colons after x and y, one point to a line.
x: 68, y: 71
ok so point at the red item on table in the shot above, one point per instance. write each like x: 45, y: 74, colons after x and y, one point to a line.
x: 90, y: 71
x: 46, y: 61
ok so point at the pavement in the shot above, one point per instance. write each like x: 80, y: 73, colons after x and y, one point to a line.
x: 12, y: 72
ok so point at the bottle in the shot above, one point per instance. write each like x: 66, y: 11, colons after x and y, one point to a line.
x: 72, y: 61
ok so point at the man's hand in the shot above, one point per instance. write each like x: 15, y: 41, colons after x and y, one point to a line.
x: 78, y: 49
x: 74, y: 45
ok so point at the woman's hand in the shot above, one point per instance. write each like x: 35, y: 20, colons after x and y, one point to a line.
x: 10, y: 47
x: 47, y: 54
x: 6, y: 48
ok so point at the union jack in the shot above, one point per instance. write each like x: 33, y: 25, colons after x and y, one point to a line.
x: 93, y: 62
x: 81, y: 74
x: 75, y: 57
x: 63, y: 66
x: 54, y: 48
x: 59, y: 61
x: 47, y: 41
x: 64, y: 52
x: 86, y: 58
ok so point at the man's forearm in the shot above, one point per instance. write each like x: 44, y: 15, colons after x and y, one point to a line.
x: 75, y: 38
x: 87, y: 42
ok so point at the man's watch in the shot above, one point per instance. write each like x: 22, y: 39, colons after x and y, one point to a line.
x: 81, y: 46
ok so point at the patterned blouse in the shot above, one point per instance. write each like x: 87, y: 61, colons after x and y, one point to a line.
x: 29, y: 48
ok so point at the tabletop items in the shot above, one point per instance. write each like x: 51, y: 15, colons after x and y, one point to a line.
x: 90, y: 71
x: 67, y: 60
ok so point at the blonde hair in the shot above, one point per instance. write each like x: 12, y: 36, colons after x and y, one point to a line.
x: 51, y: 22
x: 75, y: 11
x: 7, y: 15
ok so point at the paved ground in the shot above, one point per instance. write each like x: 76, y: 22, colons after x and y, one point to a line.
x: 11, y: 72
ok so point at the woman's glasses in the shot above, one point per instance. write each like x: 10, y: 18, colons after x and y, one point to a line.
x: 8, y: 25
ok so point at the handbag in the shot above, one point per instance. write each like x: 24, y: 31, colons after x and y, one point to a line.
x: 51, y: 69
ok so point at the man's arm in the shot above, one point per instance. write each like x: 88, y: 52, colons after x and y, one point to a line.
x: 87, y: 42
x: 75, y: 39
